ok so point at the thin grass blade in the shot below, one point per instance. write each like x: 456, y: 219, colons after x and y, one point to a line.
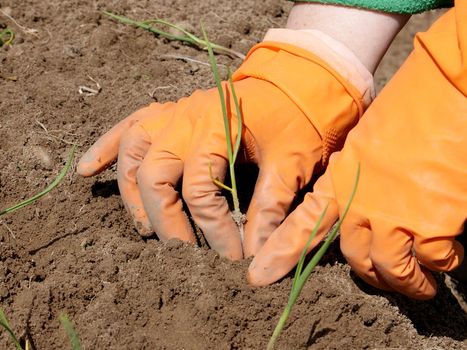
x: 216, y: 181
x: 49, y: 188
x: 331, y: 236
x: 298, y: 285
x: 301, y: 260
x: 188, y: 37
x: 220, y: 89
x: 239, y: 117
x: 6, y: 32
x: 237, y: 215
x: 5, y: 324
x: 70, y: 330
x: 292, y: 296
x: 144, y: 25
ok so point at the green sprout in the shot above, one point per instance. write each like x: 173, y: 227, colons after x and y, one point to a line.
x: 49, y: 188
x: 9, y: 34
x: 70, y: 330
x: 6, y: 325
x: 64, y: 320
x: 302, y: 275
x: 3, y: 320
x: 232, y: 148
x: 186, y: 36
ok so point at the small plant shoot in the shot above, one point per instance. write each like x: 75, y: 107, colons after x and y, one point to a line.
x: 302, y: 275
x: 232, y: 148
x: 6, y: 37
x: 185, y: 37
x: 70, y: 330
x: 49, y: 188
x: 64, y: 320
x: 6, y: 325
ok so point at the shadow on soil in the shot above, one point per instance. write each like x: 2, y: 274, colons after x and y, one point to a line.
x: 105, y: 189
x: 442, y: 316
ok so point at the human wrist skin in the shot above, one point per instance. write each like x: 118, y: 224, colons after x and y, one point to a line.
x: 335, y: 54
x: 366, y: 33
x: 396, y: 6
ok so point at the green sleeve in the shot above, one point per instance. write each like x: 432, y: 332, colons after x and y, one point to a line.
x: 397, y: 6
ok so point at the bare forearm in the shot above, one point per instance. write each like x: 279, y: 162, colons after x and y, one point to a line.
x: 366, y: 33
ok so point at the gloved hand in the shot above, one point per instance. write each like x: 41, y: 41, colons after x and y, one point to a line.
x: 296, y: 110
x: 411, y: 200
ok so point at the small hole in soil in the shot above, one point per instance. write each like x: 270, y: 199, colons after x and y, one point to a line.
x: 105, y: 189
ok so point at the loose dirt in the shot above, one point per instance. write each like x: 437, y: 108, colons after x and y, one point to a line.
x: 76, y: 251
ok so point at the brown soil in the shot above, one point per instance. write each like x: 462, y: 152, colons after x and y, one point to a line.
x: 75, y: 251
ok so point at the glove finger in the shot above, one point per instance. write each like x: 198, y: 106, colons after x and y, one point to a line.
x: 210, y: 210
x: 391, y: 254
x: 104, y: 151
x: 157, y: 177
x: 282, y: 250
x: 280, y: 178
x: 440, y: 254
x: 355, y: 242
x: 133, y: 148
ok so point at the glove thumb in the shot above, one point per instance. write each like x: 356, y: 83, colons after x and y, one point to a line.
x: 282, y: 250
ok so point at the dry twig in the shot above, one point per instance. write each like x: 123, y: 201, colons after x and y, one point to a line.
x: 26, y: 30
x: 85, y: 90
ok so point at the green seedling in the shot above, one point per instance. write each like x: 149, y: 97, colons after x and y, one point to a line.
x: 70, y: 330
x: 49, y: 188
x: 64, y: 320
x: 302, y: 275
x: 232, y: 148
x: 185, y: 36
x: 3, y: 320
x: 6, y: 37
x: 6, y: 325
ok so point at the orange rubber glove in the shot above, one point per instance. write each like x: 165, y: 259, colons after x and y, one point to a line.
x: 292, y: 124
x: 411, y: 200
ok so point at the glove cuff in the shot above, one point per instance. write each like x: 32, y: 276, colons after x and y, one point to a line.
x: 331, y: 103
x: 331, y: 51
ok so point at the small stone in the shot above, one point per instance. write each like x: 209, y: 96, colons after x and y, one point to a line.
x: 4, y: 291
x: 87, y: 242
x: 71, y: 51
